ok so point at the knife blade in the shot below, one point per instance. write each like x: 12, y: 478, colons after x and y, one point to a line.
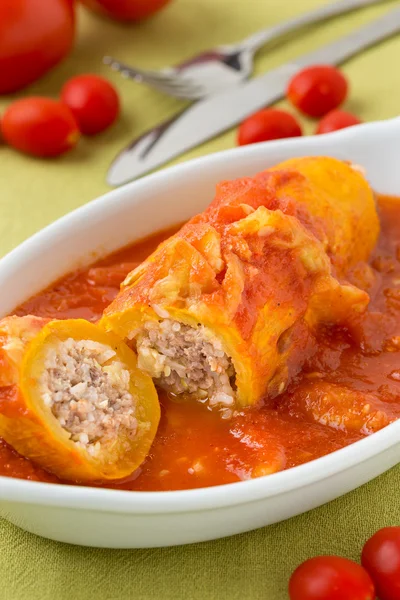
x: 209, y: 117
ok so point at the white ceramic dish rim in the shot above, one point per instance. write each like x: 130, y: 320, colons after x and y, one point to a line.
x: 161, y: 502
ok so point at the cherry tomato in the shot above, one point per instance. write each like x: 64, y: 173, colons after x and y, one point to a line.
x: 330, y: 578
x: 268, y: 124
x: 317, y: 90
x: 40, y: 126
x: 34, y: 36
x: 93, y: 101
x: 381, y: 558
x: 126, y: 10
x: 335, y: 120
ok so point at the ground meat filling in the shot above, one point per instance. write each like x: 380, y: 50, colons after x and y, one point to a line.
x: 87, y: 389
x: 187, y: 360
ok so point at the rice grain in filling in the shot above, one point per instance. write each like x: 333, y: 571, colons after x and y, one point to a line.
x: 187, y: 360
x: 88, y: 393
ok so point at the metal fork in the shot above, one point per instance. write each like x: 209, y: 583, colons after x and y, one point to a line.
x: 215, y: 69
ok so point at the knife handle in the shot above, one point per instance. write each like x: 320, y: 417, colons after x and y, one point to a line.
x: 322, y: 13
x: 351, y: 44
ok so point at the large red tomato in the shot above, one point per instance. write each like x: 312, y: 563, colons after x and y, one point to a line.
x: 34, y: 36
x: 126, y: 10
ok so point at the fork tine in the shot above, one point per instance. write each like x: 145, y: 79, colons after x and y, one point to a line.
x: 126, y: 70
x: 184, y: 93
x: 130, y: 71
x: 177, y: 88
x: 172, y: 84
x: 176, y: 85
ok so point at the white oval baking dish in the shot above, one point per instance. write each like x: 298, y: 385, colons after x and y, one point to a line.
x: 120, y: 519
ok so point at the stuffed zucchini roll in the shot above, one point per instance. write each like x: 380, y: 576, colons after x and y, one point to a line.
x: 223, y: 311
x: 73, y: 400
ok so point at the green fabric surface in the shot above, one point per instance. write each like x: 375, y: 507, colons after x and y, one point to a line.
x: 256, y: 565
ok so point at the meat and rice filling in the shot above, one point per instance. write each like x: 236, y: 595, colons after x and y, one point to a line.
x: 187, y: 360
x: 87, y: 390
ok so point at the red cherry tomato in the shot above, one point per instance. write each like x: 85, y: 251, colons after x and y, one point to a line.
x: 335, y: 120
x: 93, y: 101
x: 34, y: 36
x: 268, y: 124
x: 126, y: 10
x: 40, y: 126
x: 330, y: 578
x: 381, y: 558
x: 317, y: 90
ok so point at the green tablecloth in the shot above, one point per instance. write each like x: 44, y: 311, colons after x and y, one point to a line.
x: 251, y: 566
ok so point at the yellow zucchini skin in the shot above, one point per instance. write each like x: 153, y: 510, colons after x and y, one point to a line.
x: 261, y: 268
x: 30, y: 427
x: 337, y: 195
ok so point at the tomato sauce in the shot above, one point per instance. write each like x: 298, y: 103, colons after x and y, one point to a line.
x: 194, y: 447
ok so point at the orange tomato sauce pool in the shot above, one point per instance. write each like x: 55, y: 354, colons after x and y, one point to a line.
x: 194, y: 447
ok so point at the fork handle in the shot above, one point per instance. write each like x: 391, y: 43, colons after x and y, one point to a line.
x: 322, y: 13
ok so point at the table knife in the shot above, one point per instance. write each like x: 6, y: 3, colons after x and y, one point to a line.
x: 209, y: 117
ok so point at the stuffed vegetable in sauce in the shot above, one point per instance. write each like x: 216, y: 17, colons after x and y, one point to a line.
x: 222, y: 312
x: 75, y: 402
